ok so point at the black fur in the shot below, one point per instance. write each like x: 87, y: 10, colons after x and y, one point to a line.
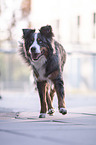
x: 27, y: 32
x: 47, y: 31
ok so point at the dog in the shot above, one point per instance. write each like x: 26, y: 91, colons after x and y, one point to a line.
x: 46, y: 58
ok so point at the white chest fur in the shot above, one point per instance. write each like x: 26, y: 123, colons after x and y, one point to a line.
x: 39, y: 65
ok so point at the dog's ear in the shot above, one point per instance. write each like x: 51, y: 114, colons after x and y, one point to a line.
x: 47, y: 31
x: 27, y: 32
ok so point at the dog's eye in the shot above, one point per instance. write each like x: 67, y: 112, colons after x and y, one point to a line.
x: 40, y: 41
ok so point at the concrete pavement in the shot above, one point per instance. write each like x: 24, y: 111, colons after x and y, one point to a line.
x: 71, y: 129
x: 78, y: 127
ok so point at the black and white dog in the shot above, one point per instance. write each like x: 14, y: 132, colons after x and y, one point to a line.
x: 47, y: 58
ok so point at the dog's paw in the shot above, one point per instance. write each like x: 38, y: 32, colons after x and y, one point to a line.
x: 17, y: 115
x: 51, y: 111
x: 63, y: 111
x: 42, y: 115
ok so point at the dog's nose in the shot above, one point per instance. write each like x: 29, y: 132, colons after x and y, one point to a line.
x: 33, y: 49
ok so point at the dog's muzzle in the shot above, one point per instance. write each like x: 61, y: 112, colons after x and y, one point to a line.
x: 34, y: 55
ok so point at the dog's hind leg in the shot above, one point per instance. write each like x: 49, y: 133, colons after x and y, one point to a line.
x: 49, y: 101
x: 42, y: 93
x: 58, y: 83
x: 52, y: 92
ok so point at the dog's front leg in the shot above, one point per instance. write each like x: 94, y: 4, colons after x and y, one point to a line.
x: 42, y: 93
x: 58, y: 83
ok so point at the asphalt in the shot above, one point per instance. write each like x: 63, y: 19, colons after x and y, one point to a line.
x: 78, y: 127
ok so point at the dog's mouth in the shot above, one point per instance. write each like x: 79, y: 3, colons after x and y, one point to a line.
x: 36, y: 56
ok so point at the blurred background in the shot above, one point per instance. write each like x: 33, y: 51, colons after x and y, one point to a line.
x: 74, y: 26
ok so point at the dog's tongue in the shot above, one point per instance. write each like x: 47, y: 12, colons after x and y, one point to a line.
x: 35, y: 55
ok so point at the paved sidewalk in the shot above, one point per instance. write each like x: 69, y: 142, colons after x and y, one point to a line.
x: 78, y: 127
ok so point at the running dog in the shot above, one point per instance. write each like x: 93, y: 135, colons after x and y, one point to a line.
x: 47, y: 58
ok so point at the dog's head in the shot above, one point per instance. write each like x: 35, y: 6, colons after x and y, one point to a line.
x: 38, y: 44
